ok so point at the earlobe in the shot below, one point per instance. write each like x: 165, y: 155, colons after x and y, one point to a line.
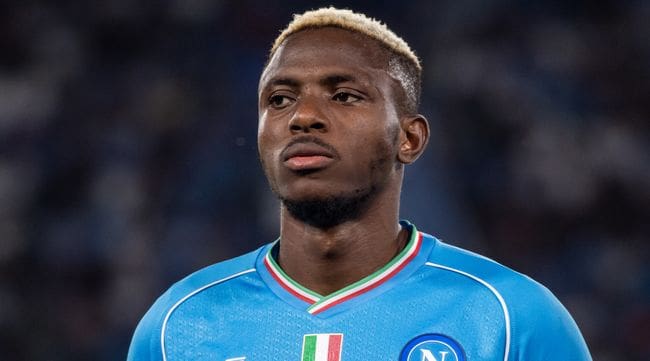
x: 414, y: 137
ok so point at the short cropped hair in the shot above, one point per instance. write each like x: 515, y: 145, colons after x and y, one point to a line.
x: 403, y: 64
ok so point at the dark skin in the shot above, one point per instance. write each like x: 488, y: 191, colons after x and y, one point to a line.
x: 332, y: 85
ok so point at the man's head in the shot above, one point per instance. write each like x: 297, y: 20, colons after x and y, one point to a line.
x: 402, y: 63
x: 337, y: 107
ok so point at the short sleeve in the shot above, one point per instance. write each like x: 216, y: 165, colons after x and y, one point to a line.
x: 543, y: 329
x: 145, y: 344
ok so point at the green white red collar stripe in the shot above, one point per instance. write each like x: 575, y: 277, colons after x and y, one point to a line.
x: 321, y: 303
x: 287, y: 283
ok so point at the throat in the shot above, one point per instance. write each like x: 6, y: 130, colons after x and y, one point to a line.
x: 329, y: 265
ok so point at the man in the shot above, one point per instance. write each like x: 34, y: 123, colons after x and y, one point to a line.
x: 346, y: 281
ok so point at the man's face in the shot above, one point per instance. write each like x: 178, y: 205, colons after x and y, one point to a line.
x: 328, y: 126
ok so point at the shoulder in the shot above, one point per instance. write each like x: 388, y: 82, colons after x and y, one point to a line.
x: 538, y: 326
x: 211, y: 276
x: 485, y: 272
x: 146, y: 341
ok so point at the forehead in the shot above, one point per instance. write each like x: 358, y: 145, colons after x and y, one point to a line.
x: 312, y: 50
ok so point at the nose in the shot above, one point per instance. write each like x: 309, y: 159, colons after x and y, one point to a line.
x: 308, y: 116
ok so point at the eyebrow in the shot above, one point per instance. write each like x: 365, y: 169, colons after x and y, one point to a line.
x: 328, y: 81
x: 285, y: 81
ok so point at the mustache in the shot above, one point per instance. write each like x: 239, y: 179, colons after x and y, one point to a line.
x: 313, y: 140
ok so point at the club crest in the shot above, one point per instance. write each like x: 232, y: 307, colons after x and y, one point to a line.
x: 432, y: 347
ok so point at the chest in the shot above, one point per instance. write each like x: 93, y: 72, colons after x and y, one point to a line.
x: 415, y: 324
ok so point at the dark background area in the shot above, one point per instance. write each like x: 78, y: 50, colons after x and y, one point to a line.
x: 128, y: 155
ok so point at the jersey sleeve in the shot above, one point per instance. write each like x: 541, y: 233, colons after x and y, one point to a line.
x: 146, y: 344
x: 146, y: 341
x: 543, y: 329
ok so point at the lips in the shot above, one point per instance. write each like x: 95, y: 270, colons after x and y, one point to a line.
x: 307, y: 156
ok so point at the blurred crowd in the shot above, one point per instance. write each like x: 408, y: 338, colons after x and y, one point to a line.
x: 128, y: 155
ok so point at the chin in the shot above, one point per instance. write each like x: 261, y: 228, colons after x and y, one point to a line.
x: 323, y: 210
x: 310, y: 189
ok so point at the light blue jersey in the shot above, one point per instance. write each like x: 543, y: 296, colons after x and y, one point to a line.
x: 433, y: 302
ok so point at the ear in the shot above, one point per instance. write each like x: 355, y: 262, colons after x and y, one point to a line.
x: 413, y: 138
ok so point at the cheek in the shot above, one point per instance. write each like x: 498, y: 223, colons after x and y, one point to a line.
x: 264, y: 134
x: 261, y: 122
x: 375, y: 136
x: 263, y: 144
x: 262, y: 127
x: 269, y: 146
x: 375, y: 149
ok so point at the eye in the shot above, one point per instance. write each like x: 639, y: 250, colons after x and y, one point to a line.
x: 346, y: 97
x: 279, y: 101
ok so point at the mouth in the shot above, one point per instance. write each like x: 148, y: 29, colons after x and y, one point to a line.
x: 307, y: 156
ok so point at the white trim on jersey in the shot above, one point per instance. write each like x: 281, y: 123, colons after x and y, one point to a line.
x: 435, y: 265
x: 185, y: 298
x: 496, y: 293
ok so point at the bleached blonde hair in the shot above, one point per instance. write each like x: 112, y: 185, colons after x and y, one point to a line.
x: 403, y: 64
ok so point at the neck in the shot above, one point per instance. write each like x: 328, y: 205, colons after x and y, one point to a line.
x: 326, y: 260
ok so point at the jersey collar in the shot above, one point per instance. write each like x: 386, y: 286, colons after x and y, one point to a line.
x: 399, y: 268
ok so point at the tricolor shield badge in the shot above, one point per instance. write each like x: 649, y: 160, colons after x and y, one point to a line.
x: 322, y: 347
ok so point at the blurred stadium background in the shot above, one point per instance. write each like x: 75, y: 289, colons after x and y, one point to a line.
x: 128, y: 155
